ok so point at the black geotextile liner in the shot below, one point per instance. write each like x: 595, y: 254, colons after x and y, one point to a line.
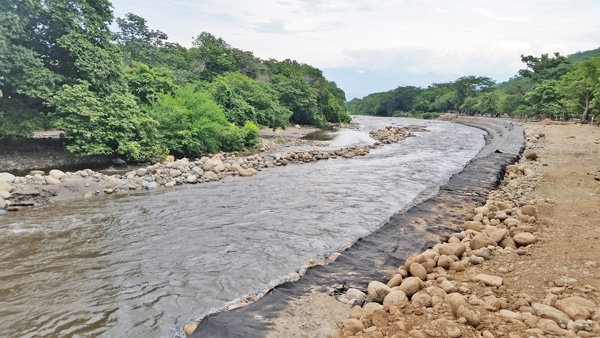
x: 412, y: 231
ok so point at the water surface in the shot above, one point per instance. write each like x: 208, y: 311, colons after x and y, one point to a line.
x: 144, y: 264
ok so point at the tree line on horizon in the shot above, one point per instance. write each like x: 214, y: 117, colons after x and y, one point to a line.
x: 135, y: 94
x: 553, y: 86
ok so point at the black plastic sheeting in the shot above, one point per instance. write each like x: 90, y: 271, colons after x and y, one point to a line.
x: 412, y: 231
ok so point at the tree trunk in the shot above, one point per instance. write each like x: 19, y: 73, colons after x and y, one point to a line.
x: 586, y: 110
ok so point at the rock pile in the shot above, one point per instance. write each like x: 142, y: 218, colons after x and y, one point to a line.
x: 437, y: 294
x: 391, y: 134
x: 17, y: 192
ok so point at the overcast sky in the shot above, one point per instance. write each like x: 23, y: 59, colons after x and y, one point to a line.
x: 367, y: 46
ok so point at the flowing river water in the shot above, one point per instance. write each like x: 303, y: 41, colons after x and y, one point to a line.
x: 144, y: 264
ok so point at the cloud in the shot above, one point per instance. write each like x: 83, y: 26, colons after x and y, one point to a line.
x: 412, y: 36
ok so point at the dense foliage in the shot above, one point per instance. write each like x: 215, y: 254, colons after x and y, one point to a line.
x: 554, y: 86
x: 135, y: 94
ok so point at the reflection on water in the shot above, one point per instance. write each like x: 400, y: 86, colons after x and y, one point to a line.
x: 146, y: 263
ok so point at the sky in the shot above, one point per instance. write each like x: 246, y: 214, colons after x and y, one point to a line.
x: 369, y: 46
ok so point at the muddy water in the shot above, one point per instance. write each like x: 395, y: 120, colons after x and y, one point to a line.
x: 144, y: 264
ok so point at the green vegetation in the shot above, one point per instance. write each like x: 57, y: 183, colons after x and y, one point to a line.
x: 549, y: 86
x: 133, y: 93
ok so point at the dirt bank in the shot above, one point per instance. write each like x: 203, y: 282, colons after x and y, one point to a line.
x: 541, y: 280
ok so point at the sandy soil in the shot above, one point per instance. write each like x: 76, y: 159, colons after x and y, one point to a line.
x: 565, y: 262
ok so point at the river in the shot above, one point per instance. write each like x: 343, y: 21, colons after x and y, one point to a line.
x: 144, y: 264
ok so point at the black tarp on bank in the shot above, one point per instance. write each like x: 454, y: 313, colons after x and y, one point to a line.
x: 412, y: 231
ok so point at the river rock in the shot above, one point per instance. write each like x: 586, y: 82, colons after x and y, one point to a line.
x: 508, y: 242
x: 4, y: 194
x: 573, y: 310
x: 174, y: 173
x: 4, y: 186
x: 410, y: 286
x: 7, y: 177
x: 354, y: 296
x: 444, y: 261
x: 395, y: 297
x: 524, y: 238
x: 549, y: 326
x: 377, y: 291
x: 209, y: 175
x: 498, y: 235
x: 549, y: 312
x: 395, y: 280
x: 448, y: 286
x: 481, y: 240
x: 152, y: 186
x: 52, y: 181
x: 421, y: 299
x: 214, y: 164
x: 192, y: 179
x: 531, y: 155
x: 457, y: 266
x: 353, y: 325
x: 580, y: 301
x: 36, y: 172
x: 418, y: 270
x: 2, y: 203
x: 488, y: 280
x: 247, y: 172
x: 473, y: 225
x: 529, y: 210
x: 510, y: 315
x: 59, y: 175
x: 189, y: 328
x: 471, y: 316
x: 451, y: 249
x: 455, y: 301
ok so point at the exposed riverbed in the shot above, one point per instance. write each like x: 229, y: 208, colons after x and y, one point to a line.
x: 143, y: 264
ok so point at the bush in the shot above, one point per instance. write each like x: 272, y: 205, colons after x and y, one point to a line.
x: 192, y: 124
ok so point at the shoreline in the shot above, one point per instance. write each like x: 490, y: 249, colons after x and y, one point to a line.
x: 370, y: 257
x: 39, y: 188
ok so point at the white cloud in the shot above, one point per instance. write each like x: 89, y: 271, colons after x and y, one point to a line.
x: 415, y: 36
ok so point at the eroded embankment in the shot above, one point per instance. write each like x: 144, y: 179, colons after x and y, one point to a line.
x: 406, y: 233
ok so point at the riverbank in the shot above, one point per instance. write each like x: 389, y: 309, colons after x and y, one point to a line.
x: 525, y: 263
x: 291, y: 309
x: 40, y: 188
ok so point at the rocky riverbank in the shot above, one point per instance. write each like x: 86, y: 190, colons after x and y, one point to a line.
x: 524, y: 265
x: 39, y: 188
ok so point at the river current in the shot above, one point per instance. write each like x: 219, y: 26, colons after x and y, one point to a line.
x: 144, y: 264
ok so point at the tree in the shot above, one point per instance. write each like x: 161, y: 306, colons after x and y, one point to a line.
x: 545, y: 67
x: 581, y: 87
x: 145, y: 82
x: 104, y: 125
x: 544, y: 99
x: 137, y: 41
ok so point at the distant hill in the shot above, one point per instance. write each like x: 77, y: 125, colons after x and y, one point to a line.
x: 584, y: 56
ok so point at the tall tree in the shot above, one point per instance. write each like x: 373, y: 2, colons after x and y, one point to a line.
x: 580, y: 88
